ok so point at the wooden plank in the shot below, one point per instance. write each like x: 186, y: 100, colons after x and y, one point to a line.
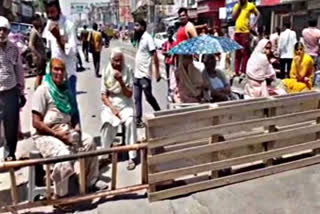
x: 317, y: 151
x: 185, y: 109
x: 176, y: 173
x: 14, y: 190
x: 269, y: 145
x: 48, y: 181
x: 76, y: 199
x: 241, y: 107
x: 144, y: 166
x: 230, y: 144
x: 114, y: 170
x: 31, y: 162
x: 212, y: 140
x: 204, y: 185
x: 234, y: 127
x: 83, y: 177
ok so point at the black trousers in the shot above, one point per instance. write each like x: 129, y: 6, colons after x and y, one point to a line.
x: 96, y: 61
x: 285, y: 67
x: 9, y: 114
x: 85, y: 50
x: 168, y: 76
x: 144, y: 85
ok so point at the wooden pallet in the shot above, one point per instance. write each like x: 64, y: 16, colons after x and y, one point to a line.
x: 198, y: 148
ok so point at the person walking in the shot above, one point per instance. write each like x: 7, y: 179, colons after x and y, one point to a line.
x: 61, y: 35
x: 11, y: 89
x: 241, y: 14
x: 311, y: 38
x: 95, y: 41
x: 288, y: 39
x: 143, y: 69
x: 84, y: 42
x: 37, y: 46
x: 168, y: 60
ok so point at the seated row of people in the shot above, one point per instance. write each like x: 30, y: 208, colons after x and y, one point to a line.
x: 57, y: 131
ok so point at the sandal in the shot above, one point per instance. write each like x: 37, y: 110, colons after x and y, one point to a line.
x: 131, y: 165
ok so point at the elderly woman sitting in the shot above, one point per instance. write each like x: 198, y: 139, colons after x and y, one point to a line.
x: 116, y: 95
x: 259, y: 69
x: 55, y: 133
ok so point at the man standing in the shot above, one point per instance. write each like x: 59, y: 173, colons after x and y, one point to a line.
x: 61, y: 35
x: 241, y: 14
x: 11, y: 89
x: 187, y: 29
x: 143, y: 69
x: 84, y: 40
x: 311, y: 38
x: 288, y: 39
x: 38, y: 48
x: 274, y: 39
x: 95, y: 42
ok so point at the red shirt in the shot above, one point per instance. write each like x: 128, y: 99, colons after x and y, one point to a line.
x: 166, y: 48
x: 181, y: 35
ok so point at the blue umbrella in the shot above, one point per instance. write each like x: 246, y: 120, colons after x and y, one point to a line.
x: 205, y: 45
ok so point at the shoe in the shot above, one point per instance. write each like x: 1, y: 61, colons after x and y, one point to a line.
x: 131, y: 165
x: 98, y: 186
x: 10, y: 158
x: 98, y: 75
x: 140, y: 124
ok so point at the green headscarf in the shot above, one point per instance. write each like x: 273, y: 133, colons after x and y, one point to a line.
x: 61, y: 95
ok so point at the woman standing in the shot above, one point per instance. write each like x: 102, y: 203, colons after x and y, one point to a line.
x: 259, y: 69
x: 302, y: 71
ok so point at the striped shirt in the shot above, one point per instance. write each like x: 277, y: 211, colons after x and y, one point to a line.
x: 11, y: 71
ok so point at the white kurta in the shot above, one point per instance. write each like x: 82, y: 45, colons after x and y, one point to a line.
x: 123, y: 104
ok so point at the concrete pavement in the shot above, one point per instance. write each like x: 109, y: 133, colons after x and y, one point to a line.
x: 294, y: 192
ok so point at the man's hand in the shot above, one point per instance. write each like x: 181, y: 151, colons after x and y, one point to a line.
x: 63, y: 136
x: 22, y: 101
x: 116, y: 112
x: 54, y: 29
x: 158, y: 76
x: 118, y: 76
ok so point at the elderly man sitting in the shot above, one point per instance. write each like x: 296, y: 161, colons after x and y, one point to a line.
x: 116, y: 95
x: 55, y: 133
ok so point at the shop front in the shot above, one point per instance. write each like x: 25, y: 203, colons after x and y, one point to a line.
x: 208, y: 12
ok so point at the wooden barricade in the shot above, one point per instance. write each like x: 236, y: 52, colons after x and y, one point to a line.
x: 198, y: 148
x: 17, y: 205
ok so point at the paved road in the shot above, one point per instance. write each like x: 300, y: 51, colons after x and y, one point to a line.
x: 294, y: 192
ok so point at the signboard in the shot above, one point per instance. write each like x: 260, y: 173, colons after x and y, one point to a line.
x: 26, y: 10
x: 229, y: 7
x: 222, y: 13
x: 77, y: 8
x: 269, y: 2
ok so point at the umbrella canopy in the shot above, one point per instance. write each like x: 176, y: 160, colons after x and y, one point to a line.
x: 205, y: 45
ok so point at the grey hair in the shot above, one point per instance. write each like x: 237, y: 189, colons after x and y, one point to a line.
x: 115, y: 51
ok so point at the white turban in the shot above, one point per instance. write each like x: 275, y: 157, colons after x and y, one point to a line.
x: 4, y: 22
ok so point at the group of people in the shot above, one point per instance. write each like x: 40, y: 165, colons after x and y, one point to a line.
x: 56, y: 124
x: 298, y: 61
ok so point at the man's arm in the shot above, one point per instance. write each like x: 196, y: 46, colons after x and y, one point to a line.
x: 106, y: 101
x: 19, y: 72
x: 191, y: 30
x: 156, y: 63
x: 257, y: 14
